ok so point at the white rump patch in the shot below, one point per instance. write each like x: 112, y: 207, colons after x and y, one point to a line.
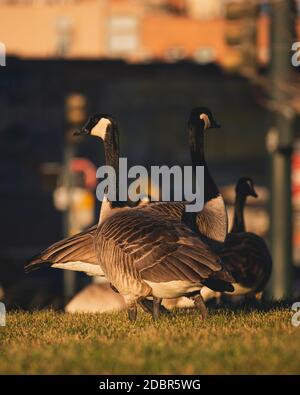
x: 88, y: 268
x: 239, y: 290
x: 208, y: 294
x: 172, y: 289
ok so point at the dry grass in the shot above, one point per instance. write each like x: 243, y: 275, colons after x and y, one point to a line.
x: 228, y: 342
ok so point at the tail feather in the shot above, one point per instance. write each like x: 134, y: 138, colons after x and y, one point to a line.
x: 220, y: 281
x: 218, y: 285
x: 78, y: 248
x: 36, y: 263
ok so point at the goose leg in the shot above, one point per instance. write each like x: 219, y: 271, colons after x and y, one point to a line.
x: 132, y: 312
x: 147, y: 306
x: 113, y: 288
x: 156, y: 307
x: 200, y: 305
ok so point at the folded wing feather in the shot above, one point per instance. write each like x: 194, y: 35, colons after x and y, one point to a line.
x: 160, y: 250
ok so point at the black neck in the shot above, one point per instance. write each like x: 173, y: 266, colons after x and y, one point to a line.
x: 196, y: 141
x: 111, y: 149
x: 238, y: 219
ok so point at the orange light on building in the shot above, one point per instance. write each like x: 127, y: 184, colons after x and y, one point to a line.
x: 263, y: 38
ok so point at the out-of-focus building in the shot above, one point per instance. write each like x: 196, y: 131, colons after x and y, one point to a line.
x: 133, y: 30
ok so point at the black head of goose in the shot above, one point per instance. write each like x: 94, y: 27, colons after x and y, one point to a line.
x: 246, y: 255
x: 243, y: 189
x: 143, y: 254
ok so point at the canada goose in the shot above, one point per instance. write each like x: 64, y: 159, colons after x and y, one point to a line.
x: 144, y: 254
x: 245, y: 255
x: 243, y: 189
x: 77, y: 252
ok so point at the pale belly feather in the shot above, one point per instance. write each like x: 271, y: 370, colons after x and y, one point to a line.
x: 172, y: 289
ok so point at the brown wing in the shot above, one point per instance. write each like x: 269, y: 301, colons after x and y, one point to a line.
x: 80, y: 247
x: 159, y: 249
x: 173, y: 210
x: 75, y: 248
x: 246, y: 256
x: 211, y: 222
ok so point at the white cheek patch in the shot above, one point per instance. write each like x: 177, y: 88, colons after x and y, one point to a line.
x: 206, y: 121
x: 100, y: 129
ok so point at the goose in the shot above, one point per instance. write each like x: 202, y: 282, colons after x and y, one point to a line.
x: 244, y: 188
x: 76, y: 253
x: 148, y: 255
x: 245, y: 255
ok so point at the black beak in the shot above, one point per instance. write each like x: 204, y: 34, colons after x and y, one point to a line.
x: 253, y: 193
x: 82, y: 132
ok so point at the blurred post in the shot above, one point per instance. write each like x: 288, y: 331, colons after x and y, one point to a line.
x: 75, y: 114
x: 280, y: 140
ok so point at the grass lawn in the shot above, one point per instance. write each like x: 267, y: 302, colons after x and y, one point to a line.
x: 240, y: 341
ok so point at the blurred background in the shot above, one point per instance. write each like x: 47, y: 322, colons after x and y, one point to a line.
x: 147, y: 62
